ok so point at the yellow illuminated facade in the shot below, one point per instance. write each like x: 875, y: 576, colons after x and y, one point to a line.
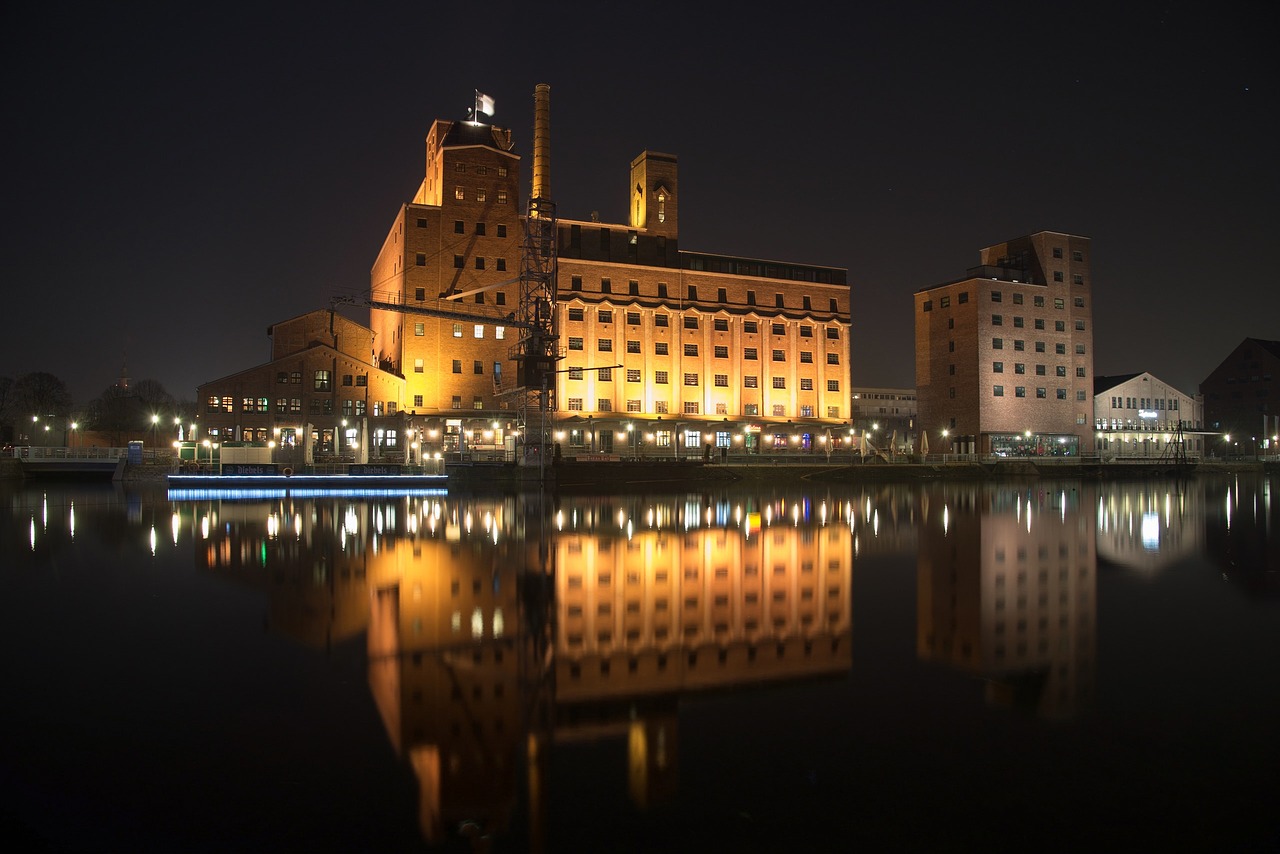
x: 664, y: 351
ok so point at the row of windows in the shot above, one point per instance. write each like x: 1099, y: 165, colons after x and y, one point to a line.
x: 460, y: 262
x: 480, y: 169
x: 693, y: 407
x: 691, y: 294
x: 690, y: 378
x: 479, y: 194
x: 1076, y: 254
x: 1121, y: 402
x: 1041, y: 392
x: 1058, y: 325
x: 998, y: 296
x: 720, y: 324
x: 293, y: 405
x: 459, y: 227
x: 477, y: 367
x: 321, y: 379
x: 500, y: 297
x: 477, y: 330
x: 1037, y: 300
x: 1019, y: 344
x: 1021, y: 368
x: 662, y: 348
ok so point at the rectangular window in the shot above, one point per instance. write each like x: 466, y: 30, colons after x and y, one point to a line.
x: 604, y: 375
x: 362, y: 380
x: 456, y: 402
x: 833, y: 333
x: 604, y: 345
x: 633, y: 406
x: 457, y: 330
x: 944, y: 302
x: 779, y: 329
x: 997, y: 320
x: 606, y: 286
x: 722, y: 380
x: 660, y: 348
x: 1040, y: 370
x: 633, y: 346
x: 690, y: 379
x: 751, y: 409
x: 806, y: 384
x: 575, y: 373
x: 833, y: 358
x: 721, y: 324
x: 576, y: 314
x: 1018, y: 322
x: 604, y: 316
x: 322, y: 381
x: 1079, y: 349
x: 1059, y: 326
x: 575, y: 283
x: 1017, y: 299
x: 750, y: 382
x: 1039, y: 323
x: 1020, y: 391
x: 690, y: 322
x: 749, y: 354
x: 479, y: 330
x: 806, y: 358
x: 575, y: 404
x: 417, y: 366
x: 997, y: 343
x: 660, y: 320
x: 721, y: 352
x: 778, y: 302
x: 750, y: 327
x: 779, y: 382
x: 1041, y: 392
x: 420, y: 259
x: 575, y: 342
x: 459, y: 262
x: 998, y: 390
x: 996, y: 296
x: 457, y: 366
x: 1077, y: 279
x: 1019, y: 368
x: 660, y: 377
x: 1057, y: 275
x: 477, y: 367
x: 833, y: 385
x: 691, y: 349
x: 633, y: 375
x: 419, y: 329
x: 1061, y: 370
x: 633, y: 318
x: 417, y: 400
x: 997, y: 367
x: 1061, y: 393
x: 1079, y: 326
x: 779, y: 355
x: 1038, y: 301
x: 604, y: 404
x: 691, y: 408
x: 1060, y: 349
x: 633, y: 288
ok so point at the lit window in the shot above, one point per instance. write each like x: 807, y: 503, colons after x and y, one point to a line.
x: 459, y: 193
x: 479, y: 331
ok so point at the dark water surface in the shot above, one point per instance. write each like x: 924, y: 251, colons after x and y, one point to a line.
x: 1031, y: 666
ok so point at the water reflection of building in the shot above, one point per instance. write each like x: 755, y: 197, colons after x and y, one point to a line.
x: 1242, y: 531
x: 1006, y: 590
x: 652, y: 600
x: 1148, y: 526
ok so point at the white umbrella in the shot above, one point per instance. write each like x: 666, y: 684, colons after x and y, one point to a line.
x: 924, y: 443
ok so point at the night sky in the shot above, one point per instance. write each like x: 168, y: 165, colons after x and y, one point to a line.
x: 178, y: 181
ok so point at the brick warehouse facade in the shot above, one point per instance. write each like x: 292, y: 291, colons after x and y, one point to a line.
x: 1004, y: 357
x: 664, y: 352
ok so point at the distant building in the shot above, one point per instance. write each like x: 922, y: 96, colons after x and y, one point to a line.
x: 1242, y: 399
x: 885, y: 413
x: 1138, y: 415
x: 1004, y: 356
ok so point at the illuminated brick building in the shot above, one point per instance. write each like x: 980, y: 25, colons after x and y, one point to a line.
x: 321, y: 374
x: 1004, y: 356
x: 664, y: 350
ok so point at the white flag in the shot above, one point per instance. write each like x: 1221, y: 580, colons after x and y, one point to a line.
x: 484, y: 104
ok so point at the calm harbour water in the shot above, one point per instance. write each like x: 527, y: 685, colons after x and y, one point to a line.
x: 1046, y: 666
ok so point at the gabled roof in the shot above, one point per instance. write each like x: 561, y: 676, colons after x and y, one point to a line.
x: 1101, y: 384
x: 1272, y: 347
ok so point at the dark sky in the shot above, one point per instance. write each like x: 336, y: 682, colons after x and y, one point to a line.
x: 180, y: 180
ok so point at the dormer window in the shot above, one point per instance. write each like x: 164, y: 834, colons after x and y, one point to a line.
x: 662, y: 207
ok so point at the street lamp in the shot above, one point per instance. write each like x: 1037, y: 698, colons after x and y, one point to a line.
x: 72, y: 441
x: 155, y: 433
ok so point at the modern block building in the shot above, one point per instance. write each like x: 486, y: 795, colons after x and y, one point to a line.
x: 1242, y: 399
x: 663, y: 351
x: 1139, y: 415
x: 887, y: 417
x: 1004, y: 356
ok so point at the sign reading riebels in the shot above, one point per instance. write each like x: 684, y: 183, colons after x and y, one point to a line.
x: 249, y: 468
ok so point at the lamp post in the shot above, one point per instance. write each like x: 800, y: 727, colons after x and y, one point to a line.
x: 631, y: 434
x: 155, y: 433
